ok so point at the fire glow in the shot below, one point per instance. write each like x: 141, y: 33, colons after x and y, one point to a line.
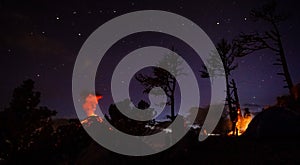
x: 241, y: 124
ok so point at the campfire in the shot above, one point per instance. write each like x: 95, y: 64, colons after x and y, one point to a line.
x: 242, y: 122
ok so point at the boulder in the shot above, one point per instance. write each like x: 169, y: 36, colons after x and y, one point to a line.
x: 274, y: 122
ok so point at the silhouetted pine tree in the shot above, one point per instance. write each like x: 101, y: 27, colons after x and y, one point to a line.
x: 24, y: 124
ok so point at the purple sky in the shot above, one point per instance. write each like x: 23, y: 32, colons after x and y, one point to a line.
x: 40, y: 40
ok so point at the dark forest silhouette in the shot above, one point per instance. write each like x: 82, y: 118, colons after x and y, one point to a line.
x: 28, y: 134
x: 41, y: 139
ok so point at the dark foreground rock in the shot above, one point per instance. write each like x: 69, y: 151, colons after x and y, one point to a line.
x: 274, y: 122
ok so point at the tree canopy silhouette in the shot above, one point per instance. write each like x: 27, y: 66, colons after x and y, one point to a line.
x: 23, y: 123
x: 164, y: 79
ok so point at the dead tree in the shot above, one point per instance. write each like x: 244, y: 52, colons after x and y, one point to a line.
x: 269, y: 39
x: 227, y: 52
x: 236, y: 102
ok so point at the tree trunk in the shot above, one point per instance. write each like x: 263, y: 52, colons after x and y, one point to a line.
x: 286, y: 72
x: 232, y: 112
x: 172, y: 108
x: 173, y: 99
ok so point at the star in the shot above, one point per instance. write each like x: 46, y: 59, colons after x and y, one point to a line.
x: 57, y: 18
x: 79, y: 34
x: 218, y: 23
x: 228, y: 20
x: 245, y: 18
x: 9, y: 52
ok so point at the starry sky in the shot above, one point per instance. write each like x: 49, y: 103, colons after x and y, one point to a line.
x: 41, y: 40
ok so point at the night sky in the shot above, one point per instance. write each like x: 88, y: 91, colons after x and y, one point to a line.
x: 41, y: 39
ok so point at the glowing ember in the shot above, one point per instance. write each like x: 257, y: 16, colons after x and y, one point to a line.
x: 91, y: 120
x: 90, y: 104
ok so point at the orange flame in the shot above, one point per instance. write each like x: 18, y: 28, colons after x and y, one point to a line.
x: 242, y: 123
x: 90, y: 104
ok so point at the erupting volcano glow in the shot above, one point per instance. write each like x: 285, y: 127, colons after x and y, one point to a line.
x: 90, y: 104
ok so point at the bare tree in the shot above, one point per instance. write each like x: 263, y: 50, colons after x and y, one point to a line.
x: 269, y: 39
